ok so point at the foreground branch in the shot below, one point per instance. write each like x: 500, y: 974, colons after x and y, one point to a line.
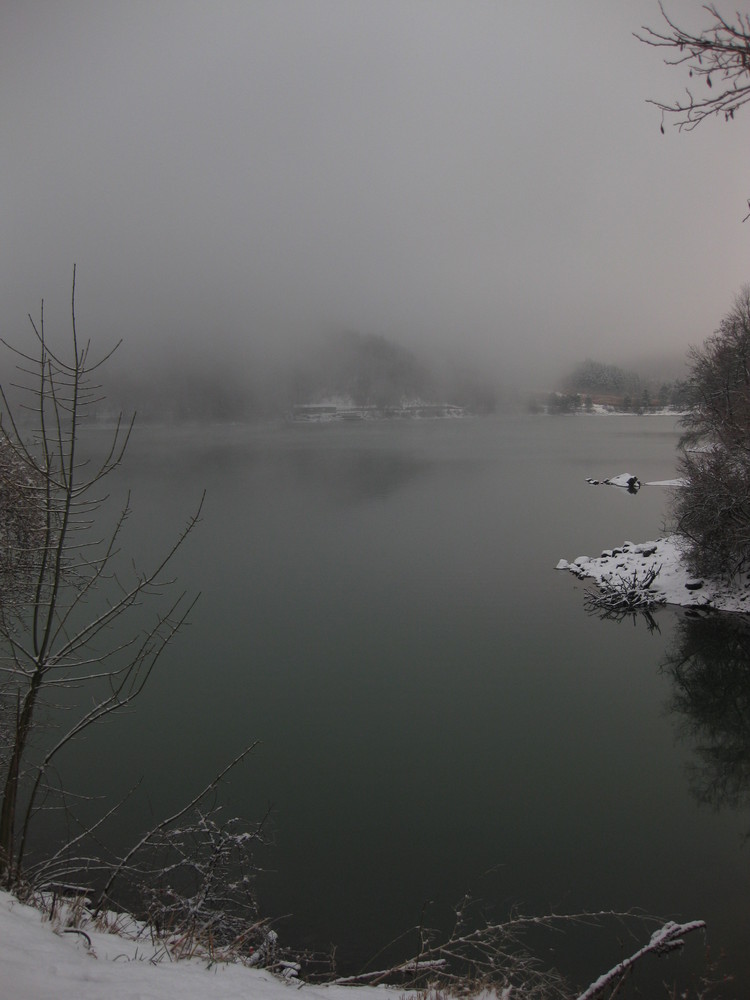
x: 169, y: 821
x: 667, y: 938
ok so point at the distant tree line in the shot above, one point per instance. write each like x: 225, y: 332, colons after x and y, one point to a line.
x: 568, y: 402
x: 594, y: 382
x: 593, y: 376
x: 370, y: 369
x: 374, y: 371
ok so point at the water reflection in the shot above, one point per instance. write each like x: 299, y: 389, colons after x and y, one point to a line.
x: 708, y: 662
x: 350, y: 476
x: 709, y: 665
x: 597, y: 607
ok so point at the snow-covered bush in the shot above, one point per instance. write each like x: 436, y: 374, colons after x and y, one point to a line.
x: 621, y: 594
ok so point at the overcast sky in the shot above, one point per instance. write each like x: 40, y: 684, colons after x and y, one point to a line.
x: 487, y: 174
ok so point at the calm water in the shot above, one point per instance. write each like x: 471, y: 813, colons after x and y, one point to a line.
x: 380, y: 608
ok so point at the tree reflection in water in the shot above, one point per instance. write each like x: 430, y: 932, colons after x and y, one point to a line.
x: 599, y: 609
x: 709, y: 663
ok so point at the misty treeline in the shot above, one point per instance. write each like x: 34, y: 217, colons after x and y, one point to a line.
x: 370, y: 369
x: 594, y: 376
x: 596, y: 382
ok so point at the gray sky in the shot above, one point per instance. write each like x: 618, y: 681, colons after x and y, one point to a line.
x: 486, y: 174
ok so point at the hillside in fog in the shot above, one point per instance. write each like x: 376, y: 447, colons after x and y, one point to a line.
x: 369, y: 369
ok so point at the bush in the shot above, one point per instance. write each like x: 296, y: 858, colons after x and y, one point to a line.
x: 712, y: 511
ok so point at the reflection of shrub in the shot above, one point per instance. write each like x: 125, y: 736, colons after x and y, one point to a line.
x: 707, y: 664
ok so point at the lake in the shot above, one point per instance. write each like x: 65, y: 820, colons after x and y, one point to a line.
x: 437, y: 712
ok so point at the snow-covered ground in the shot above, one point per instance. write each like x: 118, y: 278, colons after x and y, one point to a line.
x: 46, y: 959
x: 673, y: 585
x: 39, y: 960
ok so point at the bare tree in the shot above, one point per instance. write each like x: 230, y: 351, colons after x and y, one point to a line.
x: 74, y: 621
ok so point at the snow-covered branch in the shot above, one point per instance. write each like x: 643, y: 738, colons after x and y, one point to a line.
x: 667, y: 938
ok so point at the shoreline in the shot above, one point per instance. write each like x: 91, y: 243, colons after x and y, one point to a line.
x: 63, y: 958
x: 674, y: 583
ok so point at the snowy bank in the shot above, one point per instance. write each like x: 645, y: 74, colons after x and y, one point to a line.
x: 674, y: 584
x: 49, y: 959
x: 41, y: 960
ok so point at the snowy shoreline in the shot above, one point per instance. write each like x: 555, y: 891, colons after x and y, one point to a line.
x: 72, y: 956
x: 42, y: 959
x: 674, y: 583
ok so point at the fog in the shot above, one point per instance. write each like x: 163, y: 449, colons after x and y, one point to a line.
x: 234, y: 178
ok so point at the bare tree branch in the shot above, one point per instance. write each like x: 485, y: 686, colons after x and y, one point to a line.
x: 168, y: 821
x: 667, y: 938
x: 718, y: 57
